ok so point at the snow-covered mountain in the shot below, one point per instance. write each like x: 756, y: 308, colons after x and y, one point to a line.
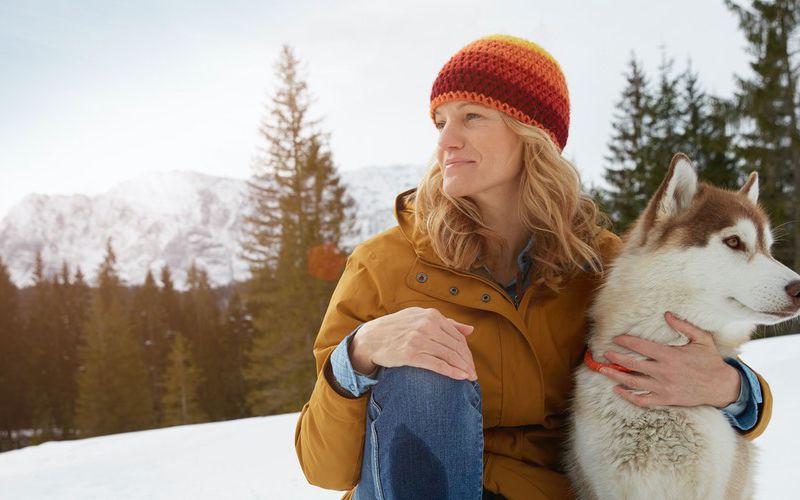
x: 374, y: 190
x: 255, y: 457
x: 167, y: 218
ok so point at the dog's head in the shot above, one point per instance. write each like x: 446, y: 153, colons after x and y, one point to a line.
x: 711, y: 248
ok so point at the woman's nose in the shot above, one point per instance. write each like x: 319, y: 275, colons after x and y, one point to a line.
x: 451, y: 137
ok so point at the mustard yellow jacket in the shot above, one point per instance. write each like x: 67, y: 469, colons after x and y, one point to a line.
x: 524, y: 359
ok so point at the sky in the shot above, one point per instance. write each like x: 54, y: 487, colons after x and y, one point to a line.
x: 96, y: 92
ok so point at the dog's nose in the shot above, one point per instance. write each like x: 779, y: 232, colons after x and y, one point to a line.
x: 793, y: 289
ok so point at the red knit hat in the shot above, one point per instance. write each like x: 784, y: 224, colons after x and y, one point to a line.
x: 512, y: 75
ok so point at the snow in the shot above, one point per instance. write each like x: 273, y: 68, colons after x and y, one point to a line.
x: 254, y: 458
x: 776, y: 359
x: 250, y: 458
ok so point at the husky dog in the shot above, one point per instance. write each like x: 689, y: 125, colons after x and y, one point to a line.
x: 704, y: 254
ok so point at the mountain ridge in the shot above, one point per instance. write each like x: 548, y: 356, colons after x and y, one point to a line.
x: 168, y: 218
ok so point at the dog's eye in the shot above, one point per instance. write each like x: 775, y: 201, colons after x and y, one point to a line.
x: 734, y: 242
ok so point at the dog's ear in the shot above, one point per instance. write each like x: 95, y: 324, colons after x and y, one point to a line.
x: 750, y: 187
x: 675, y: 193
x: 678, y: 188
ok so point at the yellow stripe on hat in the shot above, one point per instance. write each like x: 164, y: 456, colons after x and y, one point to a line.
x: 527, y: 44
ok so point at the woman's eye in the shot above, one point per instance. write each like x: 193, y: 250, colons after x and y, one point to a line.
x: 468, y: 116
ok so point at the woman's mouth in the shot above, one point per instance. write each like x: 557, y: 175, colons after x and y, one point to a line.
x: 456, y: 164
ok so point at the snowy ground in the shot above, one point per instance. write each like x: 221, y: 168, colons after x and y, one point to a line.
x: 254, y: 458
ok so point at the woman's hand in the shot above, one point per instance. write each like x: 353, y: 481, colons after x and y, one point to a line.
x: 688, y: 375
x: 414, y: 336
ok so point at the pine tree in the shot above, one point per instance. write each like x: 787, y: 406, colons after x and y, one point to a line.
x: 180, y: 401
x: 80, y: 281
x: 202, y: 328
x: 630, y: 165
x: 652, y: 126
x: 44, y: 335
x: 14, y: 369
x: 171, y: 303
x: 666, y: 127
x: 108, y: 281
x: 150, y: 328
x: 707, y: 136
x: 237, y: 337
x: 70, y: 303
x: 296, y: 204
x: 113, y: 390
x: 767, y: 112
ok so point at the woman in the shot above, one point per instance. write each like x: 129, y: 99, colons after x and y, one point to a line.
x: 486, y: 279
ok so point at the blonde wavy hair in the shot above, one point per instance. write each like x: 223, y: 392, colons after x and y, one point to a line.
x: 553, y: 207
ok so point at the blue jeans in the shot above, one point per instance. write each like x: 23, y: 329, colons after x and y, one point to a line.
x: 424, y: 438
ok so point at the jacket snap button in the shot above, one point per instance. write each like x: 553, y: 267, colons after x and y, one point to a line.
x: 485, y: 297
x: 422, y: 277
x: 453, y: 290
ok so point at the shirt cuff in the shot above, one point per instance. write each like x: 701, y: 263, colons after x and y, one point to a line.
x: 356, y: 383
x: 743, y: 413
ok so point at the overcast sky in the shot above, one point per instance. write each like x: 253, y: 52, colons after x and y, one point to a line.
x: 95, y: 92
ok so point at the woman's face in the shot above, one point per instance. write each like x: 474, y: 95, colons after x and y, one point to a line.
x: 480, y: 155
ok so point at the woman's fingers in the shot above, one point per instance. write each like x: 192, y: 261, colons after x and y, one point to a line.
x: 462, y: 328
x: 433, y: 347
x: 455, y: 353
x: 425, y: 338
x: 652, y: 350
x: 452, y: 338
x: 628, y: 380
x: 642, y: 366
x: 639, y: 399
x: 435, y: 364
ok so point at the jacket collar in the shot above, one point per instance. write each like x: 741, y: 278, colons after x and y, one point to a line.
x: 430, y: 276
x: 404, y: 213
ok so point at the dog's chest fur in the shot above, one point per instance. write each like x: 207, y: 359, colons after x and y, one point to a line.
x: 619, y: 450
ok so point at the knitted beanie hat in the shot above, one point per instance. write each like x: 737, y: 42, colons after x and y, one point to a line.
x: 510, y: 74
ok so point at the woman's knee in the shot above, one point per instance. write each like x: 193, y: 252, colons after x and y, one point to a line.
x: 423, y: 387
x: 424, y: 435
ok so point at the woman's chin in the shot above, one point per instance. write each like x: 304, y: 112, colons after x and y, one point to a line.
x: 454, y: 190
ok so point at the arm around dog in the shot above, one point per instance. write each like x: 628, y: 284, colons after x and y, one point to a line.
x: 688, y: 375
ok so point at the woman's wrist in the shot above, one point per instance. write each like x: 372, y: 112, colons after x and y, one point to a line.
x: 359, y: 357
x: 733, y: 383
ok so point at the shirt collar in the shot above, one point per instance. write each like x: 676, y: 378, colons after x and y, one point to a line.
x: 523, y: 261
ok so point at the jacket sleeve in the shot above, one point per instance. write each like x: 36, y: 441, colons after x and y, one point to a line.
x: 743, y: 413
x: 329, y: 436
x: 764, y: 408
x: 343, y: 372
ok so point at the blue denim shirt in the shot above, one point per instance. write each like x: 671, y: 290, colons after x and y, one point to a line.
x: 743, y: 413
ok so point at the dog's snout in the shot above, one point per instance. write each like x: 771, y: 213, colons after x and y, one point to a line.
x: 793, y: 289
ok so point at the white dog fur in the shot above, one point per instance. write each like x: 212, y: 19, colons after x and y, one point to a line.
x: 680, y: 256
